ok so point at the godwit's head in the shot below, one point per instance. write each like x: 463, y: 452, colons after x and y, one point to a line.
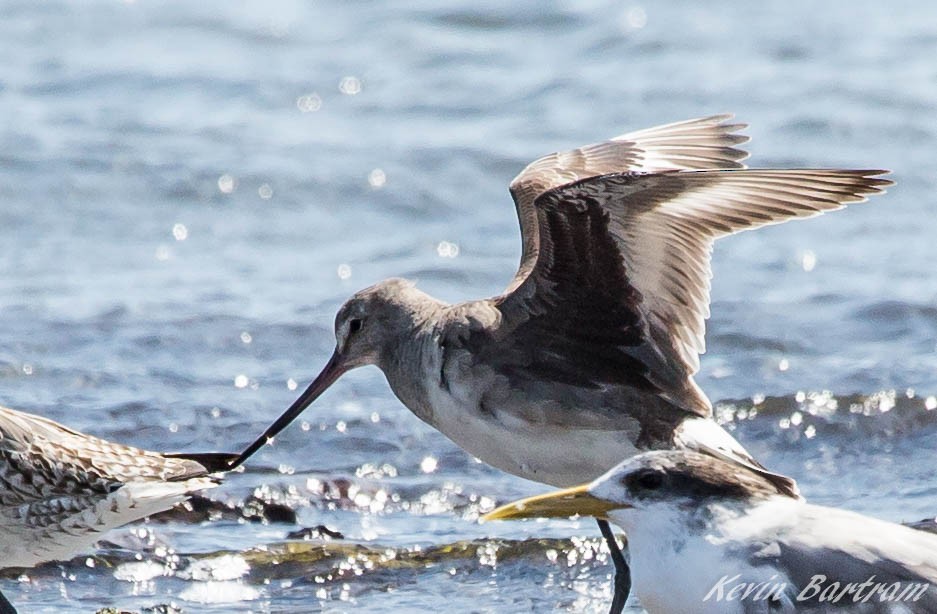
x: 370, y: 329
x: 371, y: 326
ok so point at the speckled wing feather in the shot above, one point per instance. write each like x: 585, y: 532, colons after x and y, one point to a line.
x: 622, y: 264
x: 40, y: 458
x: 60, y: 489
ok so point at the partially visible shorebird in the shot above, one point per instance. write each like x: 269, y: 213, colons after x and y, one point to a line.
x: 61, y: 490
x: 708, y: 535
x: 588, y: 356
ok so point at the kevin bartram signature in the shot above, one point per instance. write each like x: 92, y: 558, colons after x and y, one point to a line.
x: 818, y: 590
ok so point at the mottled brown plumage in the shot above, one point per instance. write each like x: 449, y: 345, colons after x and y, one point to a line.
x: 60, y: 490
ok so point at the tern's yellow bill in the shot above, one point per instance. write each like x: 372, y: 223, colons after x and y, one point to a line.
x: 576, y: 501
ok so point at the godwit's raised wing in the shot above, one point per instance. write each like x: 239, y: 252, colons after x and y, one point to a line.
x: 613, y: 286
x: 695, y: 144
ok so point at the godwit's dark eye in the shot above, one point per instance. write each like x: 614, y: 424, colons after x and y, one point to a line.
x: 354, y: 326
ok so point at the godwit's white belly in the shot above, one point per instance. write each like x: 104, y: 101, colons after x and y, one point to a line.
x: 552, y: 454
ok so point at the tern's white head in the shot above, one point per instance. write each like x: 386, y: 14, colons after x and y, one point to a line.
x: 671, y: 480
x: 680, y: 482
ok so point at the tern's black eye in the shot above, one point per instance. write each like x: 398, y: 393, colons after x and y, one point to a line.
x: 354, y: 326
x: 647, y: 480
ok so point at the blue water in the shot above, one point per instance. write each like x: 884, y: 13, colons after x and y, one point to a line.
x: 188, y: 191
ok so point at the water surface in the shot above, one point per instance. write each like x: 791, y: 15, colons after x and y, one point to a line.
x: 190, y: 190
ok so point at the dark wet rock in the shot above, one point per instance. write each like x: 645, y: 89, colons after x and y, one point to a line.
x: 319, y: 531
x: 200, y: 509
x: 196, y: 510
x: 162, y: 608
x: 256, y: 509
x: 334, y: 490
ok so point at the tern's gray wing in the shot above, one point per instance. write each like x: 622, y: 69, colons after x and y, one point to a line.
x: 846, y: 547
x: 43, y: 460
x: 615, y: 285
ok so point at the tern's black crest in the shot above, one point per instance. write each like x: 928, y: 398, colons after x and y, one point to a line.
x: 698, y: 477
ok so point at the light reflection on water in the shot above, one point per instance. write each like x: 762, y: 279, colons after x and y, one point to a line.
x: 180, y: 222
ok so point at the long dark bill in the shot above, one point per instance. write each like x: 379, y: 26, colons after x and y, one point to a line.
x: 331, y: 372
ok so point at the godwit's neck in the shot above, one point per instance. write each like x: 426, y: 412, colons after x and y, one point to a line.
x: 410, y: 344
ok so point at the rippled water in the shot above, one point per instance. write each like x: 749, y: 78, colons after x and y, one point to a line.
x: 189, y: 190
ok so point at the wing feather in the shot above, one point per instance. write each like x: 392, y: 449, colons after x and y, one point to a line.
x: 667, y: 229
x: 623, y: 258
x: 844, y: 547
x: 704, y: 143
x: 41, y: 459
